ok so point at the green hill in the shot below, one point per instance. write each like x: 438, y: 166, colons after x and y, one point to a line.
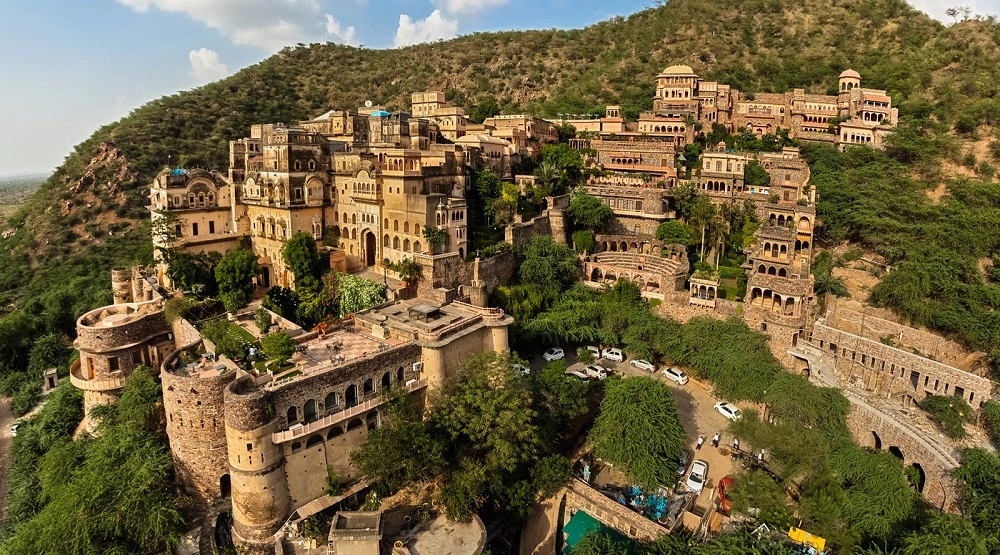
x: 90, y: 215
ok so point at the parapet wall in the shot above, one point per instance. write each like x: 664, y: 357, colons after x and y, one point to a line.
x: 581, y: 497
x: 520, y: 234
x: 449, y: 272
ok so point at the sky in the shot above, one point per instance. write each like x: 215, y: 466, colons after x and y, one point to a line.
x: 70, y: 66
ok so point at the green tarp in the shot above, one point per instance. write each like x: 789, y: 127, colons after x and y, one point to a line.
x: 581, y: 523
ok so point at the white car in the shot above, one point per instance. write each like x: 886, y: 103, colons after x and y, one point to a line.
x: 696, y: 479
x: 593, y: 350
x: 524, y: 370
x: 728, y: 410
x: 675, y: 375
x: 554, y: 353
x: 596, y: 371
x: 643, y: 365
x: 614, y: 354
x: 578, y: 374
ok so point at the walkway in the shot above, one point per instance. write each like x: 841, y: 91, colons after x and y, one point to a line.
x: 6, y: 451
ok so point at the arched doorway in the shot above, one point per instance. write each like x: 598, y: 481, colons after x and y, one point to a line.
x: 225, y: 486
x: 917, y: 477
x: 896, y: 452
x: 878, y: 441
x: 369, y: 249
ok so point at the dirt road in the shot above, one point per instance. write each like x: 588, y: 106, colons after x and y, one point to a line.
x: 6, y: 451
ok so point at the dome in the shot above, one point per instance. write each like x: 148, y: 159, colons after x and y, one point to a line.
x: 678, y: 70
x: 850, y: 74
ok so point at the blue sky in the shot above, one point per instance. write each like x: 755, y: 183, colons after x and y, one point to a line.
x: 70, y: 66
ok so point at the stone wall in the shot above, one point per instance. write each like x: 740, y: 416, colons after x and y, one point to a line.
x: 885, y: 369
x: 447, y: 272
x: 874, y: 429
x: 581, y: 497
x: 930, y: 345
x: 196, y: 425
x: 676, y: 306
x: 519, y: 234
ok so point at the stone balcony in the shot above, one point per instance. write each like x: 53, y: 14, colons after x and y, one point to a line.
x: 107, y: 384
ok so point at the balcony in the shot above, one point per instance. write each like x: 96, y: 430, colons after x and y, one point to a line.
x: 331, y: 419
x: 108, y: 384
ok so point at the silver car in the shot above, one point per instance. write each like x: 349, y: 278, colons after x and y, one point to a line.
x: 696, y: 479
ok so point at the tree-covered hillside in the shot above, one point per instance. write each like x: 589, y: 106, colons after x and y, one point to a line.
x: 89, y: 216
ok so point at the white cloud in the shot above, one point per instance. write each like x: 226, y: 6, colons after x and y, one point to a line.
x: 267, y: 24
x: 344, y: 35
x: 435, y: 26
x: 937, y: 8
x: 467, y: 7
x: 205, y: 65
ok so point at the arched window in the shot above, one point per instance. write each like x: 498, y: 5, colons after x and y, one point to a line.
x: 354, y: 424
x: 312, y: 164
x: 395, y: 225
x: 314, y: 440
x: 416, y: 229
x: 395, y: 243
x: 406, y: 227
x: 406, y: 245
x: 296, y: 447
x: 385, y: 241
x: 298, y: 165
x: 416, y: 246
x: 399, y: 375
x: 293, y: 414
x: 309, y: 411
x: 334, y: 432
x: 331, y: 401
x: 369, y: 387
x: 386, y: 381
x: 372, y: 420
x: 351, y: 396
x: 385, y: 223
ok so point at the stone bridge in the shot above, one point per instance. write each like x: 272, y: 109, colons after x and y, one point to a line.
x: 906, y: 433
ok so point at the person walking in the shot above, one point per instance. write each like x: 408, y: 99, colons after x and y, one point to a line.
x: 701, y: 441
x: 715, y: 440
x: 736, y: 444
x: 760, y: 457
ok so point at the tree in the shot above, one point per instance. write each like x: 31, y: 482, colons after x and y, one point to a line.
x: 583, y: 241
x: 548, y: 177
x: 436, y: 237
x: 567, y: 159
x: 950, y: 412
x: 638, y: 430
x: 685, y: 196
x: 702, y: 213
x: 979, y: 476
x: 408, y: 269
x: 484, y: 110
x: 588, y: 211
x: 226, y: 343
x: 235, y: 274
x: 674, y: 231
x: 302, y: 258
x: 402, y: 450
x: 357, y: 293
x: 278, y: 347
x: 549, y: 265
x: 566, y: 132
x: 48, y: 351
x: 756, y: 489
x: 596, y: 543
x: 945, y: 534
x: 505, y: 206
x: 754, y: 175
x: 262, y: 318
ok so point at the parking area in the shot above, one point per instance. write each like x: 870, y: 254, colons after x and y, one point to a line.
x: 695, y: 407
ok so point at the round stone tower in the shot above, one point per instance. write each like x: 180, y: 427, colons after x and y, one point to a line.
x: 193, y: 400
x: 261, y: 501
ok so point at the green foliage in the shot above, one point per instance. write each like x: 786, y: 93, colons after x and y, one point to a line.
x: 134, y: 509
x: 193, y: 271
x: 235, y: 273
x: 990, y: 413
x: 754, y: 175
x: 565, y: 159
x: 435, y: 237
x: 638, y: 430
x: 282, y: 301
x: 756, y: 489
x: 950, y: 412
x: 594, y: 543
x: 278, y: 347
x: 262, y: 318
x: 548, y: 265
x: 945, y: 534
x: 979, y: 476
x: 485, y: 109
x: 317, y: 527
x: 675, y: 231
x: 302, y: 258
x: 357, y: 293
x: 219, y: 332
x: 588, y: 211
x: 331, y: 236
x: 408, y: 269
x: 583, y: 241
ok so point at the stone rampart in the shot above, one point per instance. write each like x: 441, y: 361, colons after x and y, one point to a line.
x: 520, y: 234
x: 135, y: 327
x: 581, y: 497
x: 885, y: 369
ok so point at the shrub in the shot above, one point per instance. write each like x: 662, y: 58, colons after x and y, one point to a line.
x: 950, y: 412
x: 583, y: 241
x: 278, y: 347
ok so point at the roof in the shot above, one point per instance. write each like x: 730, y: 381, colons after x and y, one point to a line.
x: 581, y: 523
x: 877, y: 97
x: 850, y: 73
x: 477, y: 138
x: 678, y: 70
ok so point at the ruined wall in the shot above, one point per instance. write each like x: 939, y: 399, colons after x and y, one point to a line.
x: 581, y: 497
x: 450, y: 271
x: 675, y: 306
x: 895, y: 372
x: 876, y: 430
x: 930, y: 345
x: 519, y: 234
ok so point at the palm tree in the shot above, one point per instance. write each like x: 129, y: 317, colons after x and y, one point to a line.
x: 548, y: 175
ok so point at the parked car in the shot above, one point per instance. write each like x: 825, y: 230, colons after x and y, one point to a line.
x: 728, y: 410
x: 725, y: 485
x: 615, y: 354
x: 675, y: 375
x: 596, y: 371
x: 524, y: 370
x: 578, y: 373
x: 554, y: 353
x: 594, y: 351
x: 696, y: 479
x: 685, y: 460
x: 13, y: 429
x: 643, y: 365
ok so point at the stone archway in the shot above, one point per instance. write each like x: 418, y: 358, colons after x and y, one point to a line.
x: 878, y: 441
x: 225, y: 486
x: 896, y: 452
x: 265, y: 277
x: 918, y: 478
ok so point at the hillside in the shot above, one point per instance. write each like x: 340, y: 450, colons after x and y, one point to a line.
x: 90, y: 214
